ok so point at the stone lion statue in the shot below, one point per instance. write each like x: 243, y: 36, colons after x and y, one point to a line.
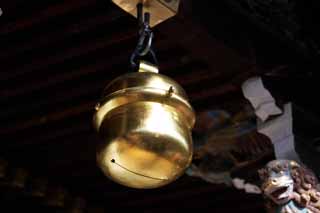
x: 290, y: 188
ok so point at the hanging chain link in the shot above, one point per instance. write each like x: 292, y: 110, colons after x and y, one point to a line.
x: 144, y: 46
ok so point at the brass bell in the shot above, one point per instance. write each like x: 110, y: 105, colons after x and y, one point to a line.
x: 145, y: 122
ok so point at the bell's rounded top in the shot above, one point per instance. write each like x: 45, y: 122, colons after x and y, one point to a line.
x: 144, y: 86
x: 145, y: 80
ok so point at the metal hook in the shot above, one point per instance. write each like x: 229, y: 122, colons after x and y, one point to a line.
x: 140, y: 13
x: 143, y: 47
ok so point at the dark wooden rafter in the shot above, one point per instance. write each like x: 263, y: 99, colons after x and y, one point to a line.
x: 43, y: 15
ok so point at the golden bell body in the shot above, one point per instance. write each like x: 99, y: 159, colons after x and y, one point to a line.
x: 145, y: 122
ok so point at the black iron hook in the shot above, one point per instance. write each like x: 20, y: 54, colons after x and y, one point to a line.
x: 144, y: 46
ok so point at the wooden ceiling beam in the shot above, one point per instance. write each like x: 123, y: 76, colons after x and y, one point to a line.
x: 64, y: 33
x: 51, y: 11
x: 45, y: 61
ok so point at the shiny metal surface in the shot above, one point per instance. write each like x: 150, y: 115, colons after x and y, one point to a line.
x: 160, y: 10
x: 145, y: 122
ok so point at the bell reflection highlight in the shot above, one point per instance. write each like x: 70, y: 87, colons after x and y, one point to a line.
x: 145, y: 123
